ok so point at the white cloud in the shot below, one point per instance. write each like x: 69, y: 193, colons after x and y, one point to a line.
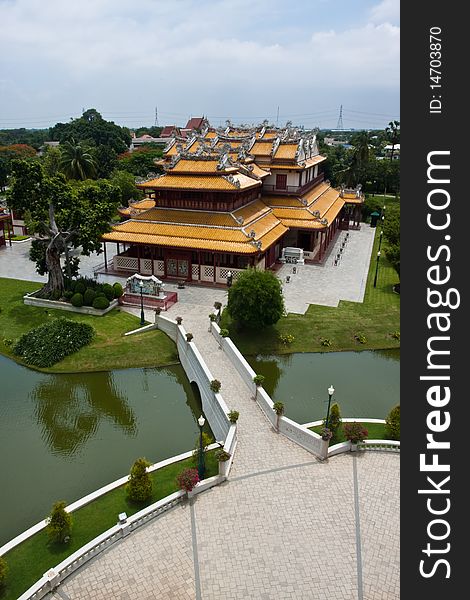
x: 387, y: 11
x: 192, y: 56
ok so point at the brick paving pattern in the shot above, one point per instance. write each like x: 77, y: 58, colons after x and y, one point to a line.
x: 285, y: 526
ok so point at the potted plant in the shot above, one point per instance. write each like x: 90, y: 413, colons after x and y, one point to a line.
x: 189, y: 337
x: 224, y: 333
x: 223, y: 457
x: 215, y: 385
x: 278, y: 408
x: 187, y: 479
x: 179, y: 320
x: 233, y: 416
x: 258, y: 381
x: 217, y: 305
x: 326, y: 434
x: 355, y: 433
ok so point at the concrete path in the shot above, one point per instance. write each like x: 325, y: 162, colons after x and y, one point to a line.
x: 285, y: 525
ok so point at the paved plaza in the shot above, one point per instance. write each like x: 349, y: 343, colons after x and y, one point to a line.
x: 285, y: 526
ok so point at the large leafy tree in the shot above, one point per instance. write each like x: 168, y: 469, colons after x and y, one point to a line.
x: 141, y: 162
x: 77, y: 160
x: 62, y: 216
x: 391, y: 229
x: 93, y: 129
x: 256, y: 300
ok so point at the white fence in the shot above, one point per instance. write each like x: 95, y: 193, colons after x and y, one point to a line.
x: 213, y: 404
x: 299, y: 434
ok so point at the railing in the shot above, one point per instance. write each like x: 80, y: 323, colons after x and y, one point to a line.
x: 386, y: 445
x: 56, y: 575
x: 294, y: 189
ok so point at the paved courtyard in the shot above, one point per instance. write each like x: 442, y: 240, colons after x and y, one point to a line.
x: 324, y: 284
x: 284, y: 526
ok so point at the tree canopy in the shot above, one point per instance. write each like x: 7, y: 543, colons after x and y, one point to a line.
x: 92, y: 128
x: 255, y: 300
x: 61, y: 215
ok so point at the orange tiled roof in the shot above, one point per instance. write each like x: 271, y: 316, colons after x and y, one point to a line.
x: 226, y: 239
x: 251, y: 211
x: 286, y: 151
x: 200, y: 182
x: 200, y: 166
x: 198, y: 217
x: 258, y: 171
x: 315, y: 160
x: 262, y: 148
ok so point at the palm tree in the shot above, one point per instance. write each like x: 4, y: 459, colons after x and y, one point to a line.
x: 76, y: 161
x: 392, y: 131
x: 356, y: 171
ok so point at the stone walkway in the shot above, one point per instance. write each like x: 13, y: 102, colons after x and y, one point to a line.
x: 285, y: 525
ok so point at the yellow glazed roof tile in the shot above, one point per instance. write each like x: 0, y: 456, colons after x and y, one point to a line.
x: 251, y: 211
x: 197, y: 217
x: 286, y: 151
x: 200, y: 182
x: 181, y: 242
x: 262, y: 148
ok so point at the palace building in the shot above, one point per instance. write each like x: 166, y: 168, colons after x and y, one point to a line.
x: 228, y: 200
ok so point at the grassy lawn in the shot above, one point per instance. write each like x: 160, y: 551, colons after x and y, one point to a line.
x: 108, y: 350
x: 376, y: 432
x: 378, y: 317
x: 31, y: 559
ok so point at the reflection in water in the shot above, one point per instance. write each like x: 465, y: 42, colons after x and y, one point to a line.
x: 70, y: 408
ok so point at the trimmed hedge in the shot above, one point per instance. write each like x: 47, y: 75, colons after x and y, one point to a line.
x: 118, y: 290
x: 108, y: 291
x: 77, y: 300
x: 88, y: 297
x: 51, y: 342
x: 100, y: 302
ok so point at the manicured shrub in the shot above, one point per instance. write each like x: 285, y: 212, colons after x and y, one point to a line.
x: 355, y: 432
x: 68, y: 294
x: 187, y: 479
x: 233, y: 416
x: 221, y: 455
x: 59, y: 523
x: 80, y: 287
x: 118, y: 290
x: 278, y: 408
x: 49, y: 343
x: 213, y: 317
x: 217, y: 305
x: 334, y: 420
x: 258, y: 380
x: 77, y: 300
x: 88, y: 297
x: 100, y: 293
x: 179, y: 320
x: 139, y: 488
x: 100, y: 302
x: 108, y: 291
x: 3, y: 571
x: 215, y: 385
x: 392, y: 424
x: 189, y: 337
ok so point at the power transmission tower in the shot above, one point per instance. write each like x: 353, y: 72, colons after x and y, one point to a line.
x: 156, y: 116
x: 340, y: 118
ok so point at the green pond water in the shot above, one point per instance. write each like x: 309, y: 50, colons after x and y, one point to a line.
x: 63, y: 436
x: 367, y: 383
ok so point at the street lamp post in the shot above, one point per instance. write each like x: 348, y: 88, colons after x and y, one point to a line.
x: 376, y: 268
x: 201, y: 467
x: 380, y: 238
x: 229, y: 279
x: 331, y: 391
x: 142, y: 318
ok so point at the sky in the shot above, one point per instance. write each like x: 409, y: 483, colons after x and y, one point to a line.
x: 243, y: 60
